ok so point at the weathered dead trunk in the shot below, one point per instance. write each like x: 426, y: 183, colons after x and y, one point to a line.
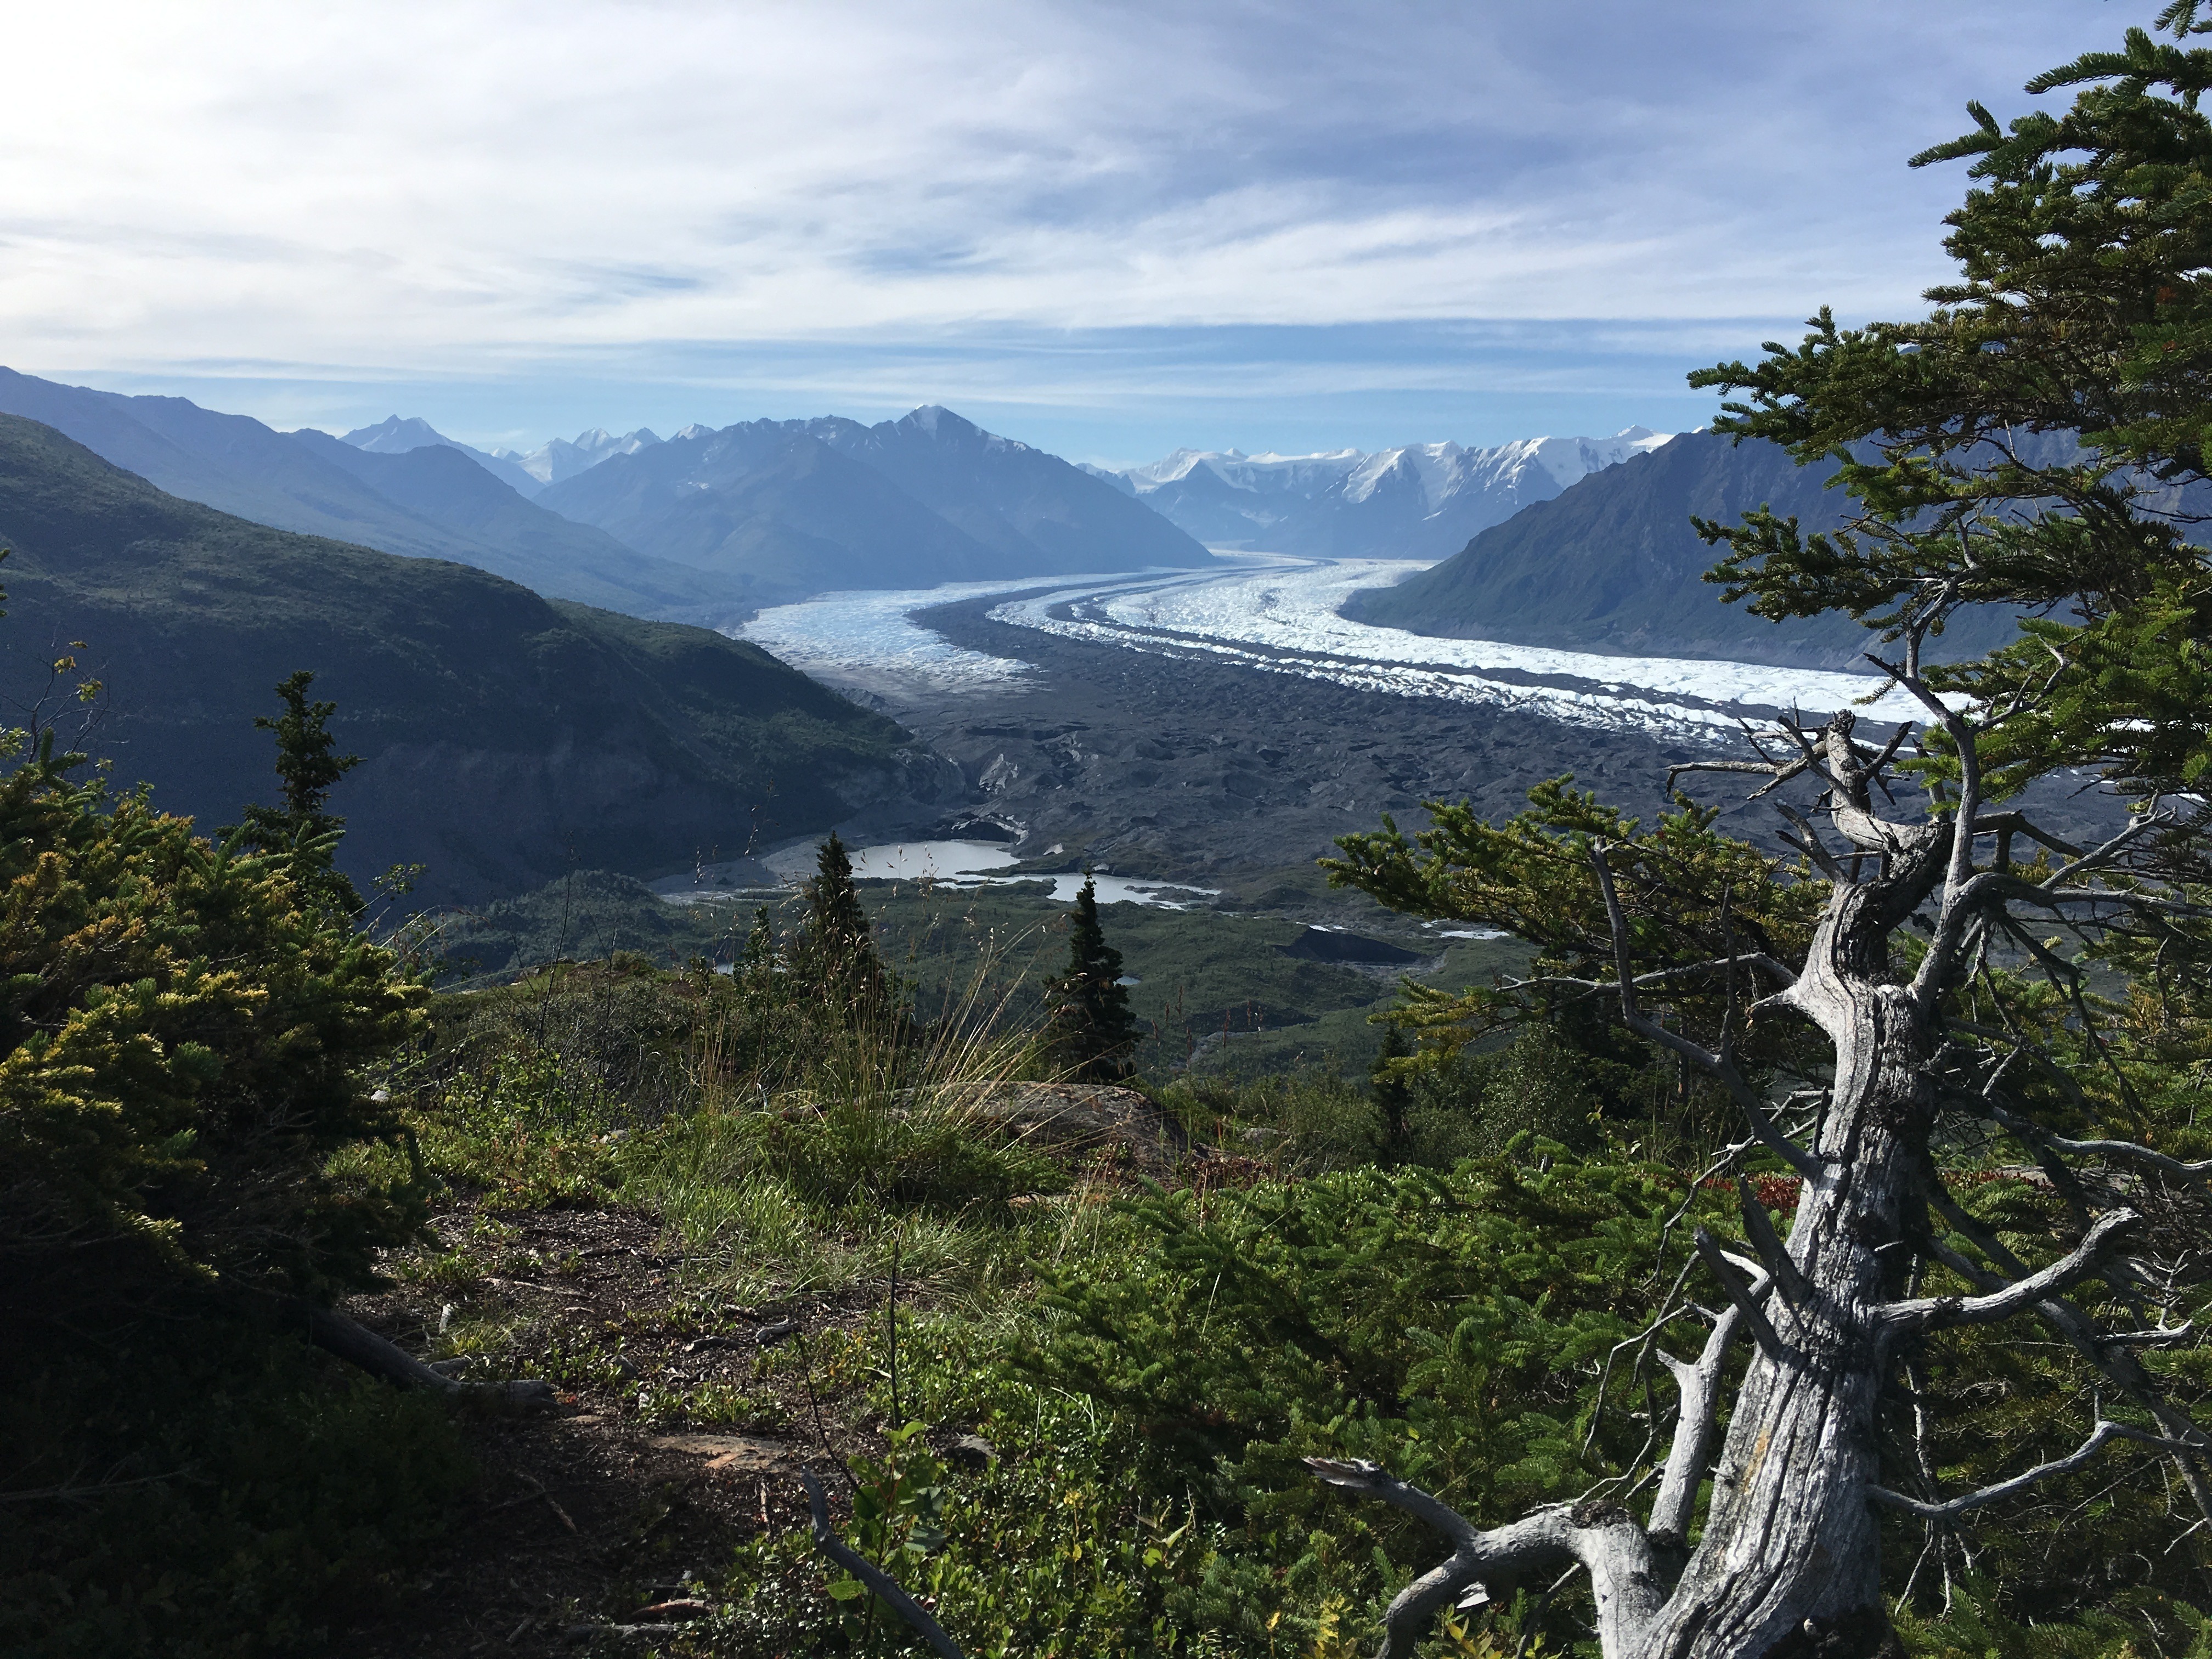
x: 1791, y: 1553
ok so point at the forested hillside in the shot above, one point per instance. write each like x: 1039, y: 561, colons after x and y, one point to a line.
x: 506, y: 738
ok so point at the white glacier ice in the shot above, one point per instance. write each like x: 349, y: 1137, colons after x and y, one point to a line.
x: 1277, y: 615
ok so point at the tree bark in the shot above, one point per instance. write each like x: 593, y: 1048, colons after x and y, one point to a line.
x: 1791, y: 1553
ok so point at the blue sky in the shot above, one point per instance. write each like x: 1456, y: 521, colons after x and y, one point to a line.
x: 1110, y: 230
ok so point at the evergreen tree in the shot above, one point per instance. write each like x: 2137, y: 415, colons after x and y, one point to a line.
x: 757, y: 970
x: 1089, y: 1028
x: 303, y: 827
x: 1393, y: 1094
x: 839, y: 954
x: 1922, y: 990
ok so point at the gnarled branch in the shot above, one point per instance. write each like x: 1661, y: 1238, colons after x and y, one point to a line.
x: 1742, y: 1291
x: 2102, y: 1436
x: 1942, y: 1312
x: 1601, y: 1538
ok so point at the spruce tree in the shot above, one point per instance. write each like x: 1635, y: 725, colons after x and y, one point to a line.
x: 758, y: 968
x: 1924, y: 972
x: 303, y: 827
x: 1393, y: 1095
x: 1089, y: 1028
x: 839, y: 949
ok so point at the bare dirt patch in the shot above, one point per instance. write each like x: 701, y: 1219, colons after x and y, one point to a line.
x: 603, y: 1509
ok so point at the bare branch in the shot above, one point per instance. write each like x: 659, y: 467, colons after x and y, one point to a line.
x: 356, y: 1345
x: 1942, y: 1312
x: 870, y: 1574
x: 2104, y: 1434
x: 1696, y: 1425
x: 2126, y: 1151
x: 1759, y: 1228
x: 1741, y: 1292
x: 2017, y: 824
x: 1775, y: 773
x: 1599, y: 1537
x: 2162, y: 1337
x: 1810, y: 846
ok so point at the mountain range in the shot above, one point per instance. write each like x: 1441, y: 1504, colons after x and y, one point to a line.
x: 435, y: 501
x: 1419, y: 501
x: 557, y: 459
x: 506, y: 737
x: 704, y: 528
x: 791, y: 508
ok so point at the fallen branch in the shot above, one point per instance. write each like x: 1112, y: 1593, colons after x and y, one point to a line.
x: 872, y: 1576
x: 356, y: 1345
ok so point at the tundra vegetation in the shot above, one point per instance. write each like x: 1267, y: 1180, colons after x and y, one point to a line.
x: 1805, y: 1254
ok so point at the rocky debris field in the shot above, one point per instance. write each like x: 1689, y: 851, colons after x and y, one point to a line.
x: 1175, y: 768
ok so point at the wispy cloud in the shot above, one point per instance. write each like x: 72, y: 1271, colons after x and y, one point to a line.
x: 509, y: 193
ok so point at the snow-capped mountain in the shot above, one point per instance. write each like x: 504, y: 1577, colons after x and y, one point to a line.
x: 558, y: 459
x: 396, y: 435
x: 1419, y: 502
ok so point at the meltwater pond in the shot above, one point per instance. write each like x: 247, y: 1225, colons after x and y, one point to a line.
x: 971, y: 864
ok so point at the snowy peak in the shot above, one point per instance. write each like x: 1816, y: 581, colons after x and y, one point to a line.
x: 395, y: 435
x: 558, y: 458
x: 1419, y: 501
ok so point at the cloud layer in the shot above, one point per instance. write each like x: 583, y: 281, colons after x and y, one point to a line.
x: 480, y: 192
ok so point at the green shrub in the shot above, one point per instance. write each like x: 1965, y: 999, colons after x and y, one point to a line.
x: 182, y: 1034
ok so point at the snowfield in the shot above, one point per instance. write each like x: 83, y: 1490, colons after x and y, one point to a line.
x: 1277, y: 615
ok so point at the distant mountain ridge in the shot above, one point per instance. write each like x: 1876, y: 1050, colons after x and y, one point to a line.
x: 795, y: 508
x: 557, y: 459
x: 508, y: 737
x: 395, y: 436
x: 1417, y: 502
x: 707, y: 527
x: 435, y: 500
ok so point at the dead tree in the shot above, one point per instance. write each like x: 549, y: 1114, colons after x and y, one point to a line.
x: 1789, y: 1558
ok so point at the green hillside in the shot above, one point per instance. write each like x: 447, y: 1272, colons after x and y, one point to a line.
x: 506, y: 737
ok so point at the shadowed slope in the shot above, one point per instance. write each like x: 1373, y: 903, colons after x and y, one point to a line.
x: 506, y: 737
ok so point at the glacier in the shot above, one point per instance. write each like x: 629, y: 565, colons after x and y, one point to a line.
x: 1270, y: 614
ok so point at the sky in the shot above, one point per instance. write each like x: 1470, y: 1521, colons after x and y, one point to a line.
x: 1108, y: 229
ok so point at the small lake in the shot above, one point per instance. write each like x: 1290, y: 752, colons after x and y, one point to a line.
x: 967, y: 864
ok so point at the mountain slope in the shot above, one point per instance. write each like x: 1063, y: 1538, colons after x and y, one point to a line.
x: 1420, y: 502
x: 317, y: 485
x: 395, y: 436
x: 794, y: 508
x: 526, y: 543
x: 506, y: 737
x: 1020, y: 501
x: 1611, y: 564
x: 786, y: 516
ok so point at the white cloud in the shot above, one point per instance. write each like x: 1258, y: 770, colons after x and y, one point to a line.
x: 455, y: 189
